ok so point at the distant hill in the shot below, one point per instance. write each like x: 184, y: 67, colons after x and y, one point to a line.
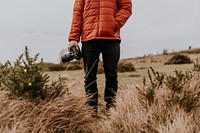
x: 193, y: 53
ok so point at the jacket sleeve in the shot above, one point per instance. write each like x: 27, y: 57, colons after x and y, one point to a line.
x: 76, y: 26
x: 124, y: 12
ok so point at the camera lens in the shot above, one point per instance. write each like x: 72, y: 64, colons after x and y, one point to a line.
x: 67, y: 57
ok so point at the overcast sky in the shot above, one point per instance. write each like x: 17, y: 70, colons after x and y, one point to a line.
x: 43, y: 26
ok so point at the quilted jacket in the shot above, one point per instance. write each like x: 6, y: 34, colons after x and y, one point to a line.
x: 99, y: 19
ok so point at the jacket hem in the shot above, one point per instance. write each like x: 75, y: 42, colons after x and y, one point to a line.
x: 108, y: 38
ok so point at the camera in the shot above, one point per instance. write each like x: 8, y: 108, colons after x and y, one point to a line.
x: 74, y: 53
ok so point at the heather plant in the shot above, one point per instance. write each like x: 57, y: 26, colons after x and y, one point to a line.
x: 25, y: 78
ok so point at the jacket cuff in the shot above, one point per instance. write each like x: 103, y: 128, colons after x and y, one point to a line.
x: 74, y: 38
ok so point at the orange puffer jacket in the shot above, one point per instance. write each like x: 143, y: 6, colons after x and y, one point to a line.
x: 99, y: 19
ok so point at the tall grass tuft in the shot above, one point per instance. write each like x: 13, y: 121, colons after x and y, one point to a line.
x: 67, y: 113
x: 167, y: 110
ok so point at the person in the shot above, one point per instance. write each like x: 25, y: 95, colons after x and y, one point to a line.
x: 97, y: 24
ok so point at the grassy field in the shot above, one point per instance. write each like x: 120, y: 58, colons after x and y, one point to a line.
x: 142, y: 64
x: 157, y: 107
x: 126, y: 79
x: 129, y: 78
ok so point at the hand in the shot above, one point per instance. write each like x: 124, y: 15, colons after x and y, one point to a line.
x: 72, y: 43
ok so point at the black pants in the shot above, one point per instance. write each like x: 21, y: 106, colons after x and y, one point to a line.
x: 110, y: 50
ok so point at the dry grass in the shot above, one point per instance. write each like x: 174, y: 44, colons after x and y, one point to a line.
x: 130, y: 116
x: 68, y: 113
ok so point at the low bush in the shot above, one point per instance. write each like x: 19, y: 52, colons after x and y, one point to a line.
x: 75, y: 65
x: 47, y: 65
x: 179, y: 59
x: 126, y: 67
x: 122, y: 67
x: 57, y: 67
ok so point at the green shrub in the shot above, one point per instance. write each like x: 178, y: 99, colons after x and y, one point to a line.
x: 57, y: 67
x: 147, y: 95
x: 177, y: 87
x: 185, y: 98
x: 47, y: 65
x: 25, y: 78
x: 126, y: 67
x: 179, y: 59
x: 3, y: 71
x: 177, y: 81
x: 75, y: 65
x: 122, y: 67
